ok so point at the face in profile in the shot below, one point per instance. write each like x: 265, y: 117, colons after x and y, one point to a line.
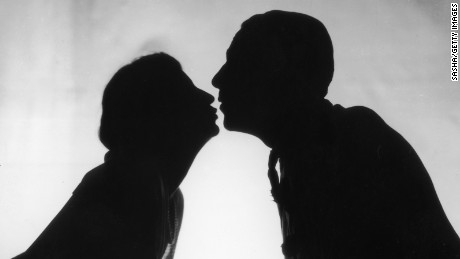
x: 277, y: 64
x: 151, y: 105
x: 189, y: 111
x: 247, y: 85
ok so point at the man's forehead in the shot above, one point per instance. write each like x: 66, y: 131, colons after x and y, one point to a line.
x: 246, y: 44
x: 254, y: 51
x: 236, y: 44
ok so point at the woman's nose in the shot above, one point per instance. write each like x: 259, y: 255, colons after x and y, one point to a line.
x: 210, y: 97
x: 207, y: 96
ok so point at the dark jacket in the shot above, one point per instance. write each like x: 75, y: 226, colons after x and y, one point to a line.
x: 352, y: 187
x: 113, y: 213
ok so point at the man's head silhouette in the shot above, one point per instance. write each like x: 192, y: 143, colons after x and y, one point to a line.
x: 277, y: 62
x: 336, y: 164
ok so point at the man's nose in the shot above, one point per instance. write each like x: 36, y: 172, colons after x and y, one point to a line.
x: 216, y: 81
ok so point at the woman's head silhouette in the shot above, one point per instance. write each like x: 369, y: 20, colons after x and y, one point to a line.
x: 151, y: 105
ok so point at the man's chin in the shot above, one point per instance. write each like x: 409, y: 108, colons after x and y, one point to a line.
x: 232, y: 126
x: 228, y: 125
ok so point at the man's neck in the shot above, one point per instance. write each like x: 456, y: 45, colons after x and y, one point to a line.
x: 296, y: 125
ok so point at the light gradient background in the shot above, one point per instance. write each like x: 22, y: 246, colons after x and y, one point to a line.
x: 56, y: 57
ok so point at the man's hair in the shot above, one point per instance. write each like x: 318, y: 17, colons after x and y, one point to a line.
x: 300, y: 43
x: 133, y: 96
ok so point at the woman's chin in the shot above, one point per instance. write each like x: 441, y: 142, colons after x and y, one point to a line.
x: 212, y: 129
x: 211, y: 132
x: 216, y: 130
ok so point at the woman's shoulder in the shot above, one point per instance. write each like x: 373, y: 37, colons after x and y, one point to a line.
x: 95, y: 178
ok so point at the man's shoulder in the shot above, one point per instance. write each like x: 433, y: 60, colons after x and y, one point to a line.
x: 365, y: 128
x: 359, y: 119
x: 359, y: 115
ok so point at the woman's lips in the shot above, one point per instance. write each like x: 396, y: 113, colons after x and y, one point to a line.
x: 214, y: 112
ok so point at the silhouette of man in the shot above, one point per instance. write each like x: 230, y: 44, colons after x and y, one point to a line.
x: 350, y: 186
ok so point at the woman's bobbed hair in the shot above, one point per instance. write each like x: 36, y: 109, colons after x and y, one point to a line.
x: 132, y: 98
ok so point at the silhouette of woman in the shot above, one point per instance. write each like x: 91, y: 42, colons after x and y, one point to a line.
x: 154, y: 122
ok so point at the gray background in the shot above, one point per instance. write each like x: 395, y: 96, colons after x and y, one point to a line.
x: 56, y: 57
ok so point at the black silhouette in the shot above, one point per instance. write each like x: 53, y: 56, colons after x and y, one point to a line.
x: 154, y: 122
x: 351, y: 186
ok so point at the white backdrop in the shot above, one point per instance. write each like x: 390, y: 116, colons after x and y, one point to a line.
x: 57, y: 55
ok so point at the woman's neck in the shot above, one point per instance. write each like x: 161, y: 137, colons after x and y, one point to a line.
x: 171, y: 165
